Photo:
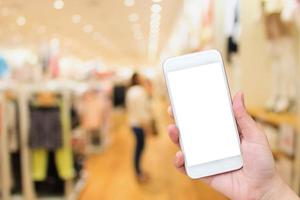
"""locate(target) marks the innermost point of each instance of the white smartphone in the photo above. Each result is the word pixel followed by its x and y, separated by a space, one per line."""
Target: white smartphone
pixel 202 108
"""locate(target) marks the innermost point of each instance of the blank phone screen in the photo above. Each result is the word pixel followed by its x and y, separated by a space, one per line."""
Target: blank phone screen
pixel 202 108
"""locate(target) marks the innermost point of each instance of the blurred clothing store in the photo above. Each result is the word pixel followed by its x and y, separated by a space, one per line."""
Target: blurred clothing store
pixel 72 114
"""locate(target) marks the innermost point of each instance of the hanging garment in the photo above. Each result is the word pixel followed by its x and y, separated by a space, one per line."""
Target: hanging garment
pixel 53 185
pixel 90 108
pixel 15 163
pixel 232 48
pixel 75 120
pixel 273 6
pixel 119 96
pixel 54 66
pixel 63 155
pixel 206 36
pixel 289 10
pixel 1 120
pixel 232 27
pixel 3 67
pixel 63 162
pixel 45 128
pixel 11 114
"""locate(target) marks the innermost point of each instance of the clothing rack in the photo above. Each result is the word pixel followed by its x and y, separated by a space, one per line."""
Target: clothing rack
pixel 24 94
pixel 5 162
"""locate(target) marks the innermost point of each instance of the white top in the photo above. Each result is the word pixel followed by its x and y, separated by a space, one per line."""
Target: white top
pixel 138 106
pixel 273 6
pixel 232 27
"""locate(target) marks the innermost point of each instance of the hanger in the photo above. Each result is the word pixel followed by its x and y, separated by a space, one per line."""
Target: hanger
pixel 10 95
pixel 46 99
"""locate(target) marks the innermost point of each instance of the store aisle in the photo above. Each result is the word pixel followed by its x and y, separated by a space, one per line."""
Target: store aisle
pixel 111 174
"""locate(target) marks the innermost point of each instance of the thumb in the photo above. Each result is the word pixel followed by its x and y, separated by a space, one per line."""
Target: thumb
pixel 247 126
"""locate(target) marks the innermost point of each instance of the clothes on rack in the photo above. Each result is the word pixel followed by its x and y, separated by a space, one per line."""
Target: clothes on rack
pixel 56 127
pixel 93 110
pixel 53 185
pixel 13 131
pixel 54 66
pixel 12 125
pixel 45 128
pixel 119 92
pixel 90 109
pixel 3 67
pixel 272 6
pixel 15 160
pixel 1 151
pixel 232 27
pixel 63 163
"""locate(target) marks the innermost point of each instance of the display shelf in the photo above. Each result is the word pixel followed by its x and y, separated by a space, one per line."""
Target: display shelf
pixel 275 119
pixel 280 154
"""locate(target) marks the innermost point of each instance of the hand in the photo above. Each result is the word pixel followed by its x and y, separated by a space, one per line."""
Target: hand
pixel 258 178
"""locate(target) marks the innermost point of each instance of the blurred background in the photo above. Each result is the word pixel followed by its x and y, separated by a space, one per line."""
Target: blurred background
pixel 65 72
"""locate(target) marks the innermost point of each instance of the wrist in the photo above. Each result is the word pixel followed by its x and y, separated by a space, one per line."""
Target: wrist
pixel 278 190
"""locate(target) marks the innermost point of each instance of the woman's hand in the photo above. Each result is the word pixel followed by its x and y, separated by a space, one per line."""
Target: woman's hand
pixel 258 178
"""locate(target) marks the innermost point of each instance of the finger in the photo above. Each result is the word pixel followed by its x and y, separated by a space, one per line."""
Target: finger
pixel 247 126
pixel 173 134
pixel 170 112
pixel 182 170
pixel 179 162
pixel 207 180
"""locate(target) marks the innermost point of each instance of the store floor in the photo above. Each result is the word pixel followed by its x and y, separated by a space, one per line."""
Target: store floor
pixel 111 174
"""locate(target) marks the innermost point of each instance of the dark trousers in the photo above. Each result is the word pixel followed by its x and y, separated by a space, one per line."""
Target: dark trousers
pixel 140 142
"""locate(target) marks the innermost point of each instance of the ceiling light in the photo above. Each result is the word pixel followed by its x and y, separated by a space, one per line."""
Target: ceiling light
pixel 156 8
pixel 154 31
pixel 129 3
pixel 133 17
pixel 88 28
pixel 155 23
pixel 21 21
pixel 76 19
pixel 153 36
pixel 155 16
pixel 58 4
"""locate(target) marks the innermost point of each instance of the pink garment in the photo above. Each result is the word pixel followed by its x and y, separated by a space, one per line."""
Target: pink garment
pixel 1 121
pixel 54 66
pixel 91 107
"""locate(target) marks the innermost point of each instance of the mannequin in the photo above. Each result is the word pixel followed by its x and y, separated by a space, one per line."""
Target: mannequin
pixel 279 31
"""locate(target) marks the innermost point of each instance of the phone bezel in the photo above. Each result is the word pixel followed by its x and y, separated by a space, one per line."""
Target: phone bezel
pixel 190 61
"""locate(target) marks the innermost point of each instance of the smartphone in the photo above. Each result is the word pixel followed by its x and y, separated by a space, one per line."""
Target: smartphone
pixel 202 108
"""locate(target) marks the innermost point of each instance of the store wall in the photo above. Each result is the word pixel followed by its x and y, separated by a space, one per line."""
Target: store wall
pixel 255 61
